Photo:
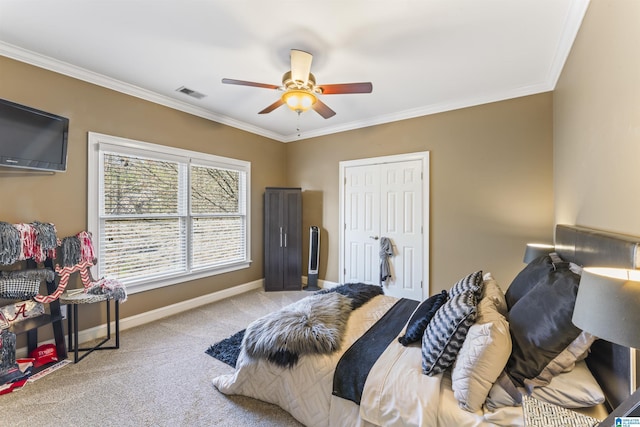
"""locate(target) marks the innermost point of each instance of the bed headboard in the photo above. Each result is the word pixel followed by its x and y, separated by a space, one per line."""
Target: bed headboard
pixel 615 367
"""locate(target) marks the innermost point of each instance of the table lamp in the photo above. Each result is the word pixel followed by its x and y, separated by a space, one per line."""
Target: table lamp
pixel 608 306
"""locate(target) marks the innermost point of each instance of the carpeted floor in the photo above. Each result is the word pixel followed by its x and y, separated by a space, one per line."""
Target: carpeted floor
pixel 160 376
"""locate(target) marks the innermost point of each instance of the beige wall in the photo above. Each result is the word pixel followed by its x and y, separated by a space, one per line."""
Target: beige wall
pixel 597 122
pixel 62 198
pixel 491 175
pixel 491 184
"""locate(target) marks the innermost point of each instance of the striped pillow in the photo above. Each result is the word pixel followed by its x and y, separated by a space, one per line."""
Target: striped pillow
pixel 446 332
pixel 472 282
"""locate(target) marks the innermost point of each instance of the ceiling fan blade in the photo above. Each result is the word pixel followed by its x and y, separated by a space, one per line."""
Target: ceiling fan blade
pixel 300 66
pixel 365 87
pixel 246 83
pixel 322 109
pixel 272 107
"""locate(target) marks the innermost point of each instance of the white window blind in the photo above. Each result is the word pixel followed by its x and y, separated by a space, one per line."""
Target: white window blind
pixel 166 215
pixel 218 216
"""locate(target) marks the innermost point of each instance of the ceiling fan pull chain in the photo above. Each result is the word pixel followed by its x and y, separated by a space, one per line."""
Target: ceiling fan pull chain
pixel 298 125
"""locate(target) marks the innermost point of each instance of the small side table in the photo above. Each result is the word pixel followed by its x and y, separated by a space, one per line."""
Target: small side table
pixel 542 414
pixel 74 300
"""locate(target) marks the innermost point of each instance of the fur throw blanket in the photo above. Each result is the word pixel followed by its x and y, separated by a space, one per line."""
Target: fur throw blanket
pixel 313 325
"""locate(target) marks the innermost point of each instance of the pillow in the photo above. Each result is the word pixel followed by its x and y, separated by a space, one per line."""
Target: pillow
pixel 481 359
pixel 421 318
pixel 527 279
pixel 446 332
pixel 541 326
pixel 472 282
pixel 574 389
pixel 493 292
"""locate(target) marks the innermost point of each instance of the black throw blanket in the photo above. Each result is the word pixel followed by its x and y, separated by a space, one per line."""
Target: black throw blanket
pixel 354 365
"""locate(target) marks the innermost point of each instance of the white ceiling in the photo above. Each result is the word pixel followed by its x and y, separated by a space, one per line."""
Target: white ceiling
pixel 422 56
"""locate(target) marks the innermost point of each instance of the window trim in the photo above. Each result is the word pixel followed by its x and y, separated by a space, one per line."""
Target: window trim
pixel 96 141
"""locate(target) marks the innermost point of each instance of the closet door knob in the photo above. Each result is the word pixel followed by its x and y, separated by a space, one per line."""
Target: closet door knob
pixel 373 237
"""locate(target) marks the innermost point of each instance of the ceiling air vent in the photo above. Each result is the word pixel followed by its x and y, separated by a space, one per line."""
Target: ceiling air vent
pixel 190 92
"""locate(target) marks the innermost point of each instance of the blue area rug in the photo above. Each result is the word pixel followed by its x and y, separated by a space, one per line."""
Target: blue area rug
pixel 228 349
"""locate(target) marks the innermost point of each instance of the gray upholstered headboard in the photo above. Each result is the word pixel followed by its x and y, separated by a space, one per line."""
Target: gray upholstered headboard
pixel 588 247
pixel 615 367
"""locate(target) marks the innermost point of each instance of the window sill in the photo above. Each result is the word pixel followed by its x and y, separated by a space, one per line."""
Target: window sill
pixel 150 285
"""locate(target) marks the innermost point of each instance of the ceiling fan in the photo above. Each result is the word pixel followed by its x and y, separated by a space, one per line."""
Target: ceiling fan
pixel 300 88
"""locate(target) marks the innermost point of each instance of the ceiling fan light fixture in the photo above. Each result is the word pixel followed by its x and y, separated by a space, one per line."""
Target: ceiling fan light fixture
pixel 299 100
pixel 300 92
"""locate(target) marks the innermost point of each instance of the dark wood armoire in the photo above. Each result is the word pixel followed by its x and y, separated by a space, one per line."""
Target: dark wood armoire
pixel 282 239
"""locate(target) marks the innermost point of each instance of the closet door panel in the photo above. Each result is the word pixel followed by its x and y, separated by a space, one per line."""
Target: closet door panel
pixel 293 244
pixel 273 248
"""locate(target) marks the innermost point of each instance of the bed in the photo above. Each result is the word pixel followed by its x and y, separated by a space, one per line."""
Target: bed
pixel 380 361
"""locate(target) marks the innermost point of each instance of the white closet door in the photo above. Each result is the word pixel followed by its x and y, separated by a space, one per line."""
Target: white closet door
pixel 362 224
pixel 384 200
pixel 401 222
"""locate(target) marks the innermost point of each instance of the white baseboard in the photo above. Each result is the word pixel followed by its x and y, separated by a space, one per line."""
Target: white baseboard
pixel 157 314
pixel 321 283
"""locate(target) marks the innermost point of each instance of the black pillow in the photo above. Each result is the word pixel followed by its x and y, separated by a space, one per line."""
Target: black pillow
pixel 535 272
pixel 421 318
pixel 540 322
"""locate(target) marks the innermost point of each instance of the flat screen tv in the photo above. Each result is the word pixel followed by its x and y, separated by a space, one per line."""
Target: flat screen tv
pixel 32 139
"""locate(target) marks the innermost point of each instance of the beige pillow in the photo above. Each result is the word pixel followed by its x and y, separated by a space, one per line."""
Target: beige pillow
pixel 574 389
pixel 494 293
pixel 481 359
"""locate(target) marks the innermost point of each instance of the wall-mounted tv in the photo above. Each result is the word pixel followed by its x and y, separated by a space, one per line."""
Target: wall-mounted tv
pixel 32 139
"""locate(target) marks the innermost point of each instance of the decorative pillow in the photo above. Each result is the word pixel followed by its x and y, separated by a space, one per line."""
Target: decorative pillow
pixel 493 292
pixel 446 332
pixel 481 359
pixel 472 282
pixel 421 318
pixel 541 326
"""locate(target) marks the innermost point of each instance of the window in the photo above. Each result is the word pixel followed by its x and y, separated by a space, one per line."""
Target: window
pixel 161 215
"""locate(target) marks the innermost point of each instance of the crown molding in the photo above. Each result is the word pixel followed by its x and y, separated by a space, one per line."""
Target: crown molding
pixel 61 67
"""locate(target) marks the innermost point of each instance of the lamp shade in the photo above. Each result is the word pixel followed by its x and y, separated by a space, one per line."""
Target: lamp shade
pixel 608 305
pixel 536 250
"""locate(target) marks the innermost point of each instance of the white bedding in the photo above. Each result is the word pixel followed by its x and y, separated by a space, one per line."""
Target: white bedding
pixel 396 392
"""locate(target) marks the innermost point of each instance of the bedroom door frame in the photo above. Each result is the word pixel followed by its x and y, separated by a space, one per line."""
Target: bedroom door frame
pixel 423 157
